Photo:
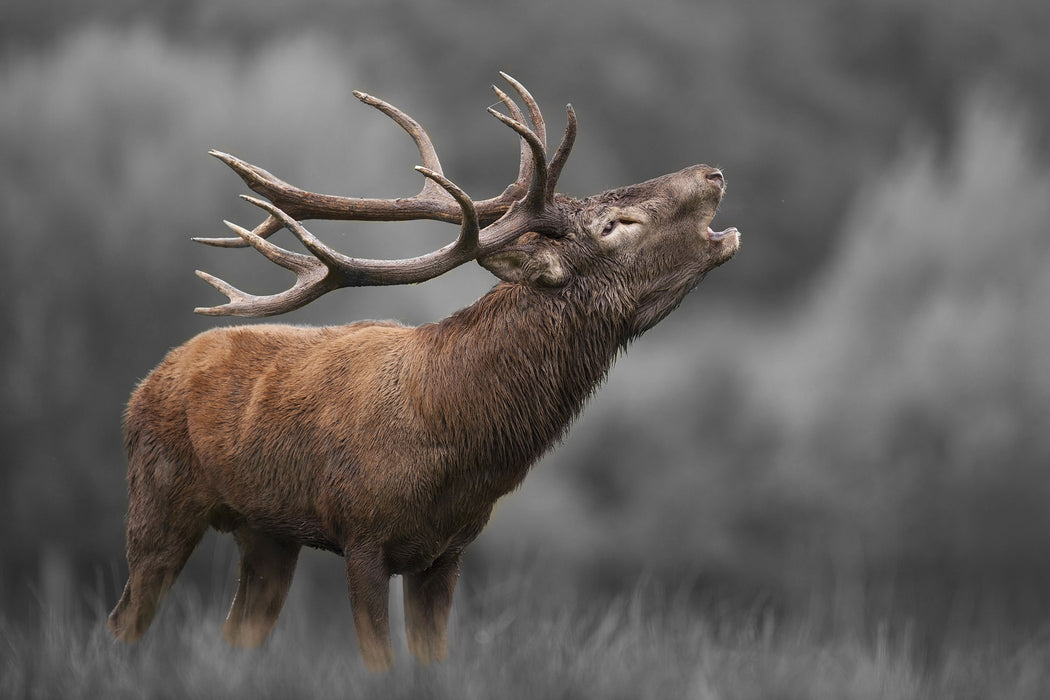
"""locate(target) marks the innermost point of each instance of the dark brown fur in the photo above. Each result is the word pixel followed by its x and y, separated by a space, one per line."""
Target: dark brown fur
pixel 388 444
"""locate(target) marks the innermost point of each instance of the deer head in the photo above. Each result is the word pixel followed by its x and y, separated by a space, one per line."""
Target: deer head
pixel 644 246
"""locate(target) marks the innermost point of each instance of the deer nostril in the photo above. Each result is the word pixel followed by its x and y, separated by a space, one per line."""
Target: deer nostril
pixel 717 178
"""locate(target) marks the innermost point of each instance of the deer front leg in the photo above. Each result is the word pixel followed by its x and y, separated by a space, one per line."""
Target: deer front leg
pixel 428 600
pixel 369 579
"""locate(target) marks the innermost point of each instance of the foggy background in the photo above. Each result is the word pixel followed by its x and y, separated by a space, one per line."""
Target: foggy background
pixel 850 416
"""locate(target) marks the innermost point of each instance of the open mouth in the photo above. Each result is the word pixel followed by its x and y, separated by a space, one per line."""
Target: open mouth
pixel 716 236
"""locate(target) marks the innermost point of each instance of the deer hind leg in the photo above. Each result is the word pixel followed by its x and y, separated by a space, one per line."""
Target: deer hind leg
pixel 161 538
pixel 428 601
pixel 266 569
pixel 369 579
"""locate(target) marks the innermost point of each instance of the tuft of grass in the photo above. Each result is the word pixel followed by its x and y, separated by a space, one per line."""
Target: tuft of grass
pixel 511 641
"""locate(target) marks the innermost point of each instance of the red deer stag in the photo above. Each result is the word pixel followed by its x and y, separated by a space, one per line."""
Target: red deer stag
pixel 388 444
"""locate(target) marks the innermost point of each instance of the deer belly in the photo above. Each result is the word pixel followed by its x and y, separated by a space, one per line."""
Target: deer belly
pixel 415 546
pixel 412 556
pixel 305 529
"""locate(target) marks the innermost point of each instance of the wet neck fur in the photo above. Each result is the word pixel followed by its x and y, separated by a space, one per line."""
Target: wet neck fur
pixel 515 369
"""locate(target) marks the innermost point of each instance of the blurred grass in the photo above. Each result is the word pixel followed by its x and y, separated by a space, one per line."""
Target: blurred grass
pixel 511 640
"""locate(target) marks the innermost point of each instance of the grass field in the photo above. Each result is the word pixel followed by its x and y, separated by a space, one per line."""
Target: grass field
pixel 512 641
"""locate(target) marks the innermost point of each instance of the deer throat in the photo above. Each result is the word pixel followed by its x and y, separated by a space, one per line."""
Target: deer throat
pixel 530 359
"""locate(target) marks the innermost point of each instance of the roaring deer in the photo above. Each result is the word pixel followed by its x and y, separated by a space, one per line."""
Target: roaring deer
pixel 384 443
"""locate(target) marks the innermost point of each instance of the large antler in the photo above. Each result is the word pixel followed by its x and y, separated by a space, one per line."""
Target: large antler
pixel 526 204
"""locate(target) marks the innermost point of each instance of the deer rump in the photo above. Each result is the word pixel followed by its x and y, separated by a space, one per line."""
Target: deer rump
pixel 388 444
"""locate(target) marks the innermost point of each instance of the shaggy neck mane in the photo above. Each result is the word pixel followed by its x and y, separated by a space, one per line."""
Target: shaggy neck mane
pixel 529 359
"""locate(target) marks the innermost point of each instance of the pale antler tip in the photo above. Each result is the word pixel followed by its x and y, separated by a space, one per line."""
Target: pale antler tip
pixel 273 209
pixel 221 310
pixel 261 203
pixel 239 230
pixel 212 280
pixel 219 242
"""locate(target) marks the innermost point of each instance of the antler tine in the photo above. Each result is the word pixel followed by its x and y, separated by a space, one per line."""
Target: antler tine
pixel 520 187
pixel 285 258
pixel 426 147
pixel 264 230
pixel 535 115
pixel 427 152
pixel 311 280
pixel 257 179
pixel 534 211
pixel 562 154
pixel 250 305
pixel 538 188
pixel 470 229
pixel 517 189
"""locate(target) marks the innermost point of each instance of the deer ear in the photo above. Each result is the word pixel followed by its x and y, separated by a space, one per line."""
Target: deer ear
pixel 542 266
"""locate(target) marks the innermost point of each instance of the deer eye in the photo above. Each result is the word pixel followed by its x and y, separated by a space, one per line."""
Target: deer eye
pixel 620 220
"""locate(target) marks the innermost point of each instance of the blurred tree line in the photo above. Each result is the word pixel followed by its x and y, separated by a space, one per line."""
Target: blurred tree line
pixel 865 386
